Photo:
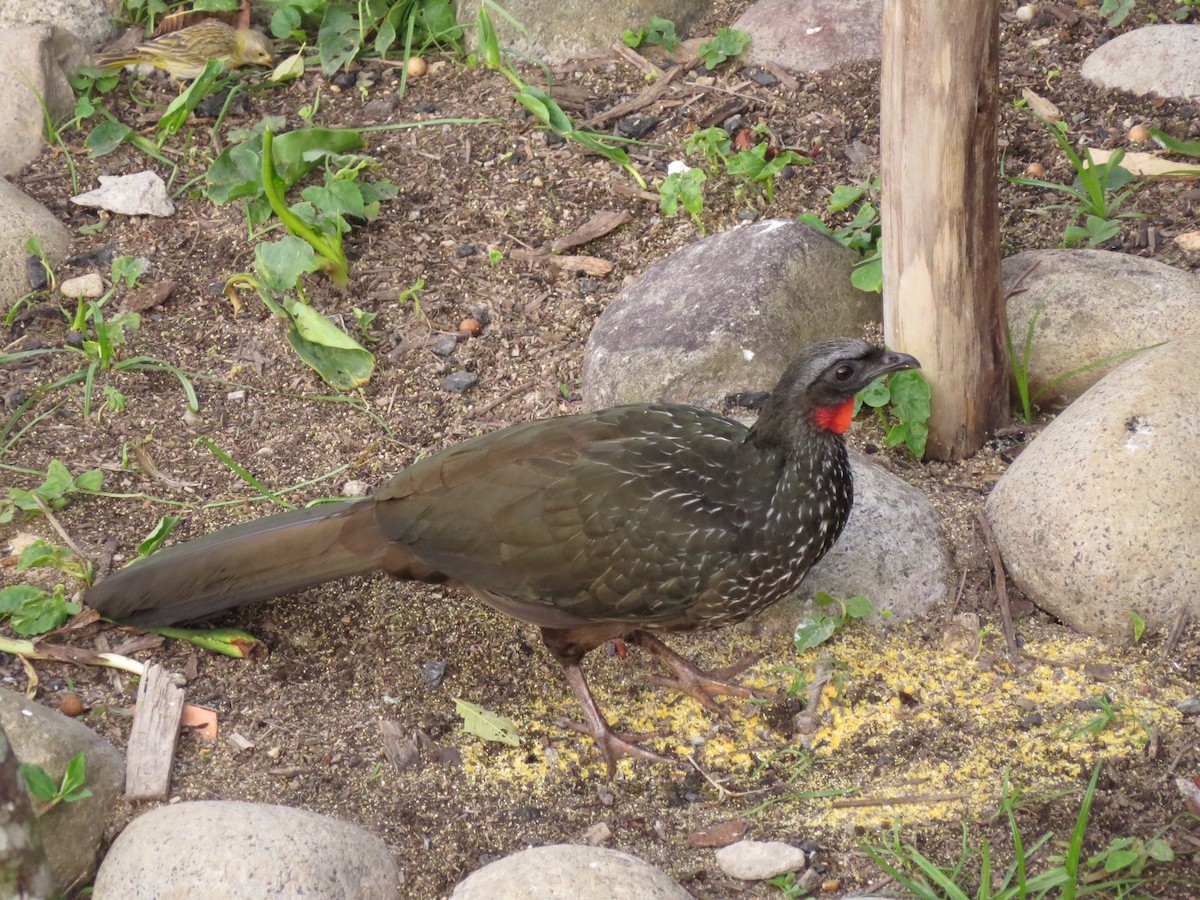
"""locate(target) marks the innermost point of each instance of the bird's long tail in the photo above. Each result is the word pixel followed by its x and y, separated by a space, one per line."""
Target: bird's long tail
pixel 255 561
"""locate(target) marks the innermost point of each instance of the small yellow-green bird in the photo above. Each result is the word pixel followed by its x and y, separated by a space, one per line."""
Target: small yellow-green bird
pixel 184 53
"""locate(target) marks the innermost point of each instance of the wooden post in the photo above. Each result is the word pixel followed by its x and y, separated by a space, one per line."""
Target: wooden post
pixel 942 294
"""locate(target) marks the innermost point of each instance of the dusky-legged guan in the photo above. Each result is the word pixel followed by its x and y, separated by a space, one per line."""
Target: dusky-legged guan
pixel 617 524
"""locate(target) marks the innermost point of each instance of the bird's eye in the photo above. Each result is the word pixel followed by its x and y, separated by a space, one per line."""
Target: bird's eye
pixel 843 372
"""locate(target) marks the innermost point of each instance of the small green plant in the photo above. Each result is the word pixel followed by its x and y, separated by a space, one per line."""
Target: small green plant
pixel 901 401
pixel 541 106
pixel 683 189
pixel 1138 623
pixel 788 886
pixel 364 320
pixel 129 269
pixel 34 248
pixel 816 629
pixel 1108 715
pixel 1098 191
pixel 758 168
pixel 862 234
pixel 31 610
pixel 495 257
pixel 1019 366
pixel 658 31
pixel 54 492
pixel 713 143
pixel 1116 10
pixel 40 554
pixel 724 45
pixel 72 789
pixel 1116 871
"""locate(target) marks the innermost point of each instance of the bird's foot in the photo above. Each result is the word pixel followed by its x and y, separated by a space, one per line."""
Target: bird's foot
pixel 613 745
pixel 694 681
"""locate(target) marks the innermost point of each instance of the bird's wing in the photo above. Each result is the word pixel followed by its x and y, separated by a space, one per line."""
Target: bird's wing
pixel 622 514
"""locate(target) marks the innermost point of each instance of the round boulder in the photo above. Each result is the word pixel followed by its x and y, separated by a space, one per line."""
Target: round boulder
pixel 221 849
pixel 1098 517
pixel 725 315
pixel 569 872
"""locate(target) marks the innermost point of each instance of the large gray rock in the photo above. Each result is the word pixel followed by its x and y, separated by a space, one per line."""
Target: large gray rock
pixel 1098 516
pixel 35 63
pixel 1155 59
pixel 569 872
pixel 71 832
pixel 1094 304
pixel 221 850
pixel 892 550
pixel 726 314
pixel 813 35
pixel 20 218
pixel 555 31
pixel 92 21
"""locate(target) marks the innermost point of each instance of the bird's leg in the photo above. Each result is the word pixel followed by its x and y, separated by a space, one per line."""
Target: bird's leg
pixel 611 744
pixel 692 680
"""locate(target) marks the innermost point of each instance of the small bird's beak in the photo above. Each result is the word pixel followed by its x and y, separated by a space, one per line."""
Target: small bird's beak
pixel 891 361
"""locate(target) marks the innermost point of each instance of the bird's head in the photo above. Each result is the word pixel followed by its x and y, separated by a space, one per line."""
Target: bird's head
pixel 817 390
pixel 255 48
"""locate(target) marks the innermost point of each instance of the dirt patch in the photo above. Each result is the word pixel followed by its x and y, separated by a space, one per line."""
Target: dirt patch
pixel 914 725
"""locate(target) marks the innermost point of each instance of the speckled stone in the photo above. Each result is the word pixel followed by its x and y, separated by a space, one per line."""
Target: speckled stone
pixel 1154 59
pixel 1099 515
pixel 760 860
pixel 1094 304
pixel 221 850
pixel 569 872
pixel 724 315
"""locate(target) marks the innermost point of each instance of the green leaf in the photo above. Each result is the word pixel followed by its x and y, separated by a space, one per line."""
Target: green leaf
pixel 846 195
pixel 333 354
pixel 1139 625
pixel 859 607
pixel 14 597
pixel 40 784
pixel 76 775
pixel 876 394
pixel 158 534
pixel 106 137
pixel 868 275
pixel 58 481
pixel 1160 850
pixel 725 44
pixel 91 480
pixel 226 641
pixel 41 614
pixel 815 630
pixel 185 104
pixel 487 725
pixel 338 38
pixel 281 263
pixel 1186 148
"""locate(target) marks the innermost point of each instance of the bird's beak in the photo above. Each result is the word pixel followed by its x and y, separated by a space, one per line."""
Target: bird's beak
pixel 891 361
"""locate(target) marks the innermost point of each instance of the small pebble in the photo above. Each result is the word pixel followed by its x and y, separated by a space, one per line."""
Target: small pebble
pixel 764 79
pixel 1035 170
pixel 15 397
pixel 355 488
pixel 481 313
pixel 236 395
pixel 473 327
pixel 1139 134
pixel 190 419
pixel 459 382
pixel 444 346
pixel 416 66
pixel 1026 13
pixel 88 286
pixel 434 671
pixel 35 272
pixel 1189 706
pixel 465 250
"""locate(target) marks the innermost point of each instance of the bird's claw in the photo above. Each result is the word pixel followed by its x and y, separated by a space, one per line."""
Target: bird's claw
pixel 613 745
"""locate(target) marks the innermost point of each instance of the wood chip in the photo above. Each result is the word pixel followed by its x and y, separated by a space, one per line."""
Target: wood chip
pixel 1041 106
pixel 649 96
pixel 786 81
pixel 151 750
pixel 1147 165
pixel 589 265
pixel 597 226
pixel 720 835
pixel 148 297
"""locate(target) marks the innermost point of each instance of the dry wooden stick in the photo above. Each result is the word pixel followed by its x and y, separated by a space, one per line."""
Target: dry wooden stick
pixel 1010 636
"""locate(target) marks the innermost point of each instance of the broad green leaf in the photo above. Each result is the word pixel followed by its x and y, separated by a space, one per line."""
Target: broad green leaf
pixel 91 480
pixel 155 538
pixel 487 725
pixel 40 784
pixel 859 607
pixel 106 137
pixel 876 394
pixel 281 263
pixel 332 353
pixel 58 481
pixel 814 631
pixel 14 597
pixel 76 775
pixel 338 38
